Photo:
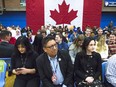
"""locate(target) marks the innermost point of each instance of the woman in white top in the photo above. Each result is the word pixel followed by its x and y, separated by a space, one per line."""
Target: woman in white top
pixel 102 47
pixel 75 47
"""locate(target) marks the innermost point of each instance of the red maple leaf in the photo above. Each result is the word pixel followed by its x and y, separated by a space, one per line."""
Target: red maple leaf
pixel 63 16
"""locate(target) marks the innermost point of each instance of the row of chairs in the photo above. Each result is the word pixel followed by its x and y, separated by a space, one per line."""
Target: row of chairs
pixel 5 63
pixel 103 71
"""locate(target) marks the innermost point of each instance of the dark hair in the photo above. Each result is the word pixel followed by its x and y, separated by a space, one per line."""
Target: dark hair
pixel 38 40
pixel 46 40
pixel 25 42
pixel 79 38
pixel 43 31
pixel 37 44
pixel 60 35
pixel 4 33
pixel 29 32
pixel 86 42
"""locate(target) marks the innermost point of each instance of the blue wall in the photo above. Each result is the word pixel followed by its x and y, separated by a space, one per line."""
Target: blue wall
pixel 107 17
pixel 13 18
pixel 19 18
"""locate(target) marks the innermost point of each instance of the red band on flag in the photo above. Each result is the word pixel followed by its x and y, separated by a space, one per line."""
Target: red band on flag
pixel 35 14
pixel 92 13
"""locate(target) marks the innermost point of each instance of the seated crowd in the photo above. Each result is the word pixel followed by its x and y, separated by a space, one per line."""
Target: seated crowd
pixel 59 56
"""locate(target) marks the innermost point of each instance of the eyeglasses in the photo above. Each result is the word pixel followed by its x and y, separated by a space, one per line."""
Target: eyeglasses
pixel 52 46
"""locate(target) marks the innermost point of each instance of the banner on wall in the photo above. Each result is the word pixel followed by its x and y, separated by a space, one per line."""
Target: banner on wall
pixel 79 13
pixel 110 3
pixel 23 3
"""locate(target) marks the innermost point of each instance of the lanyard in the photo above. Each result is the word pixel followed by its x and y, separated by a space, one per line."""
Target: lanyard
pixel 23 60
pixel 55 66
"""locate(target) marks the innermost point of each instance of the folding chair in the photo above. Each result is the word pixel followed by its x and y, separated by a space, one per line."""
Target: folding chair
pixel 3 67
pixel 8 62
pixel 103 71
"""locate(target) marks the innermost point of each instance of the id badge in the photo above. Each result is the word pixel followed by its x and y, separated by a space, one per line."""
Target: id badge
pixel 54 78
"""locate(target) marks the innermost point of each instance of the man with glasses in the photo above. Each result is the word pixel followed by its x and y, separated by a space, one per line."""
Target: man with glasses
pixel 54 66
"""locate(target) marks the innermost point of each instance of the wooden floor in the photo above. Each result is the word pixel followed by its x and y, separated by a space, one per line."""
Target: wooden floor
pixel 9 80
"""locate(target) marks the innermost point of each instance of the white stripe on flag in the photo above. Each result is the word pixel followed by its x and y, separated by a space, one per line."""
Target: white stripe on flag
pixel 76 5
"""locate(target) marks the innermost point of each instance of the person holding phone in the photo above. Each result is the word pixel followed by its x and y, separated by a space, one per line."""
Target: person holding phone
pixel 23 63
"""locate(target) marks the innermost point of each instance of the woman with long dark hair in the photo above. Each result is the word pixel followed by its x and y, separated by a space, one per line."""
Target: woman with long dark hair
pixel 23 63
pixel 87 66
pixel 37 44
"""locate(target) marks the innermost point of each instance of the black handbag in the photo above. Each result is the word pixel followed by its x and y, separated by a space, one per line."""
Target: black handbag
pixel 96 83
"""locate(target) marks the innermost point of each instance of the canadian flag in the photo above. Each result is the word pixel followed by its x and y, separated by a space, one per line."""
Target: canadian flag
pixel 60 12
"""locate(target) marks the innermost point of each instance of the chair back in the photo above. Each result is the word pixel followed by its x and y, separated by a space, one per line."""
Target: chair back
pixel 104 64
pixel 3 67
pixel 8 62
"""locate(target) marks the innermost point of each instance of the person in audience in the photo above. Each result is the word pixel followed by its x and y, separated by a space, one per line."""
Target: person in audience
pixel 52 32
pixel 37 44
pixel 110 71
pixel 79 30
pixel 24 31
pixel 110 25
pixel 73 35
pixel 54 66
pixel 88 32
pixel 107 35
pixel 75 47
pixel 28 29
pixel 95 28
pixel 99 34
pixel 61 44
pixel 6 49
pixel 66 37
pixel 112 44
pixel 87 66
pixel 43 33
pixel 12 39
pixel 12 29
pixel 47 28
pixel 30 37
pixel 18 32
pixel 102 48
pixel 23 64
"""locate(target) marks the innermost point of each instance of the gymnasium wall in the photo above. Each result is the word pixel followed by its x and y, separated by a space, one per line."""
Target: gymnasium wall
pixel 19 18
pixel 13 18
pixel 107 17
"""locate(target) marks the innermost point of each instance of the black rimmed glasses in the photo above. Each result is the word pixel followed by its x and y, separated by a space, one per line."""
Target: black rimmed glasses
pixel 52 46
